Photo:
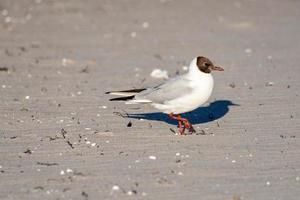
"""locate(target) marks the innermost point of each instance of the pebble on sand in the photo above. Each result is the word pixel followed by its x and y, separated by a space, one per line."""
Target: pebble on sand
pixel 152 157
pixel 115 188
pixel 69 170
pixel 67 61
pixel 145 25
pixel 159 74
pixel 270 83
pixel 133 34
pixel 8 19
pixel 248 51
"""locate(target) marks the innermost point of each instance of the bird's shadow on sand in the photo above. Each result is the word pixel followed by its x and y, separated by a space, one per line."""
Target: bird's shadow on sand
pixel 213 111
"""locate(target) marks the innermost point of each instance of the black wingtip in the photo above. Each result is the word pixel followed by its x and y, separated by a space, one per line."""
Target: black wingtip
pixel 122 98
pixel 106 92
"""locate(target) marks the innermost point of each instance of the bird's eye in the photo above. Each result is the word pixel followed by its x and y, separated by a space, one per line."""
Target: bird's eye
pixel 206 64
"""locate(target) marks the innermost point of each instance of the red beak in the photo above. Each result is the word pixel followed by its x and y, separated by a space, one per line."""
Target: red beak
pixel 216 68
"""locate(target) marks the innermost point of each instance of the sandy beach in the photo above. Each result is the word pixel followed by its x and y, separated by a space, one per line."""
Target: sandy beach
pixel 61 137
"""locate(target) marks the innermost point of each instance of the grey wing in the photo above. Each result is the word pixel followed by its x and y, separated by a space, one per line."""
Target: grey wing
pixel 167 91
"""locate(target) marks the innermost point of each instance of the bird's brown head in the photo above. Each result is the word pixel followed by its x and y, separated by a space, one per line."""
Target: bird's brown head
pixel 206 66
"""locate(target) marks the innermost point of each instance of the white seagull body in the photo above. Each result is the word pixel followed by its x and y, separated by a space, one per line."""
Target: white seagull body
pixel 177 95
pixel 180 94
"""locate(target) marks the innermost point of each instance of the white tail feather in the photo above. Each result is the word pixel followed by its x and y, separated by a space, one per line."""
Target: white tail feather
pixel 124 94
pixel 137 101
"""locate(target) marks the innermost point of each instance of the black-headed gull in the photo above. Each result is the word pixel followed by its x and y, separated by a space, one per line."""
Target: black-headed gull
pixel 178 95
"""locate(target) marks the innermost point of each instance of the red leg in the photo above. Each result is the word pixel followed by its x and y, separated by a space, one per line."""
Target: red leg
pixel 188 125
pixel 181 129
pixel 179 119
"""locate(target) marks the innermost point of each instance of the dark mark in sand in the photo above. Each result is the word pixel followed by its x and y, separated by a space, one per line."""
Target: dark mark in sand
pixel 46 164
pixel 129 124
pixel 53 138
pixel 232 85
pixel 284 136
pixel 78 173
pixel 24 109
pixel 70 144
pixel 66 189
pixel 39 188
pixel 157 56
pixel 57 180
pixel 83 193
pixel 28 151
pixel 120 114
pixel 172 130
pixel 85 70
pixel 23 49
pixel 202 132
pixel 63 133
pixel 8 53
pixel 3 69
pixel 134 191
pixel 44 90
